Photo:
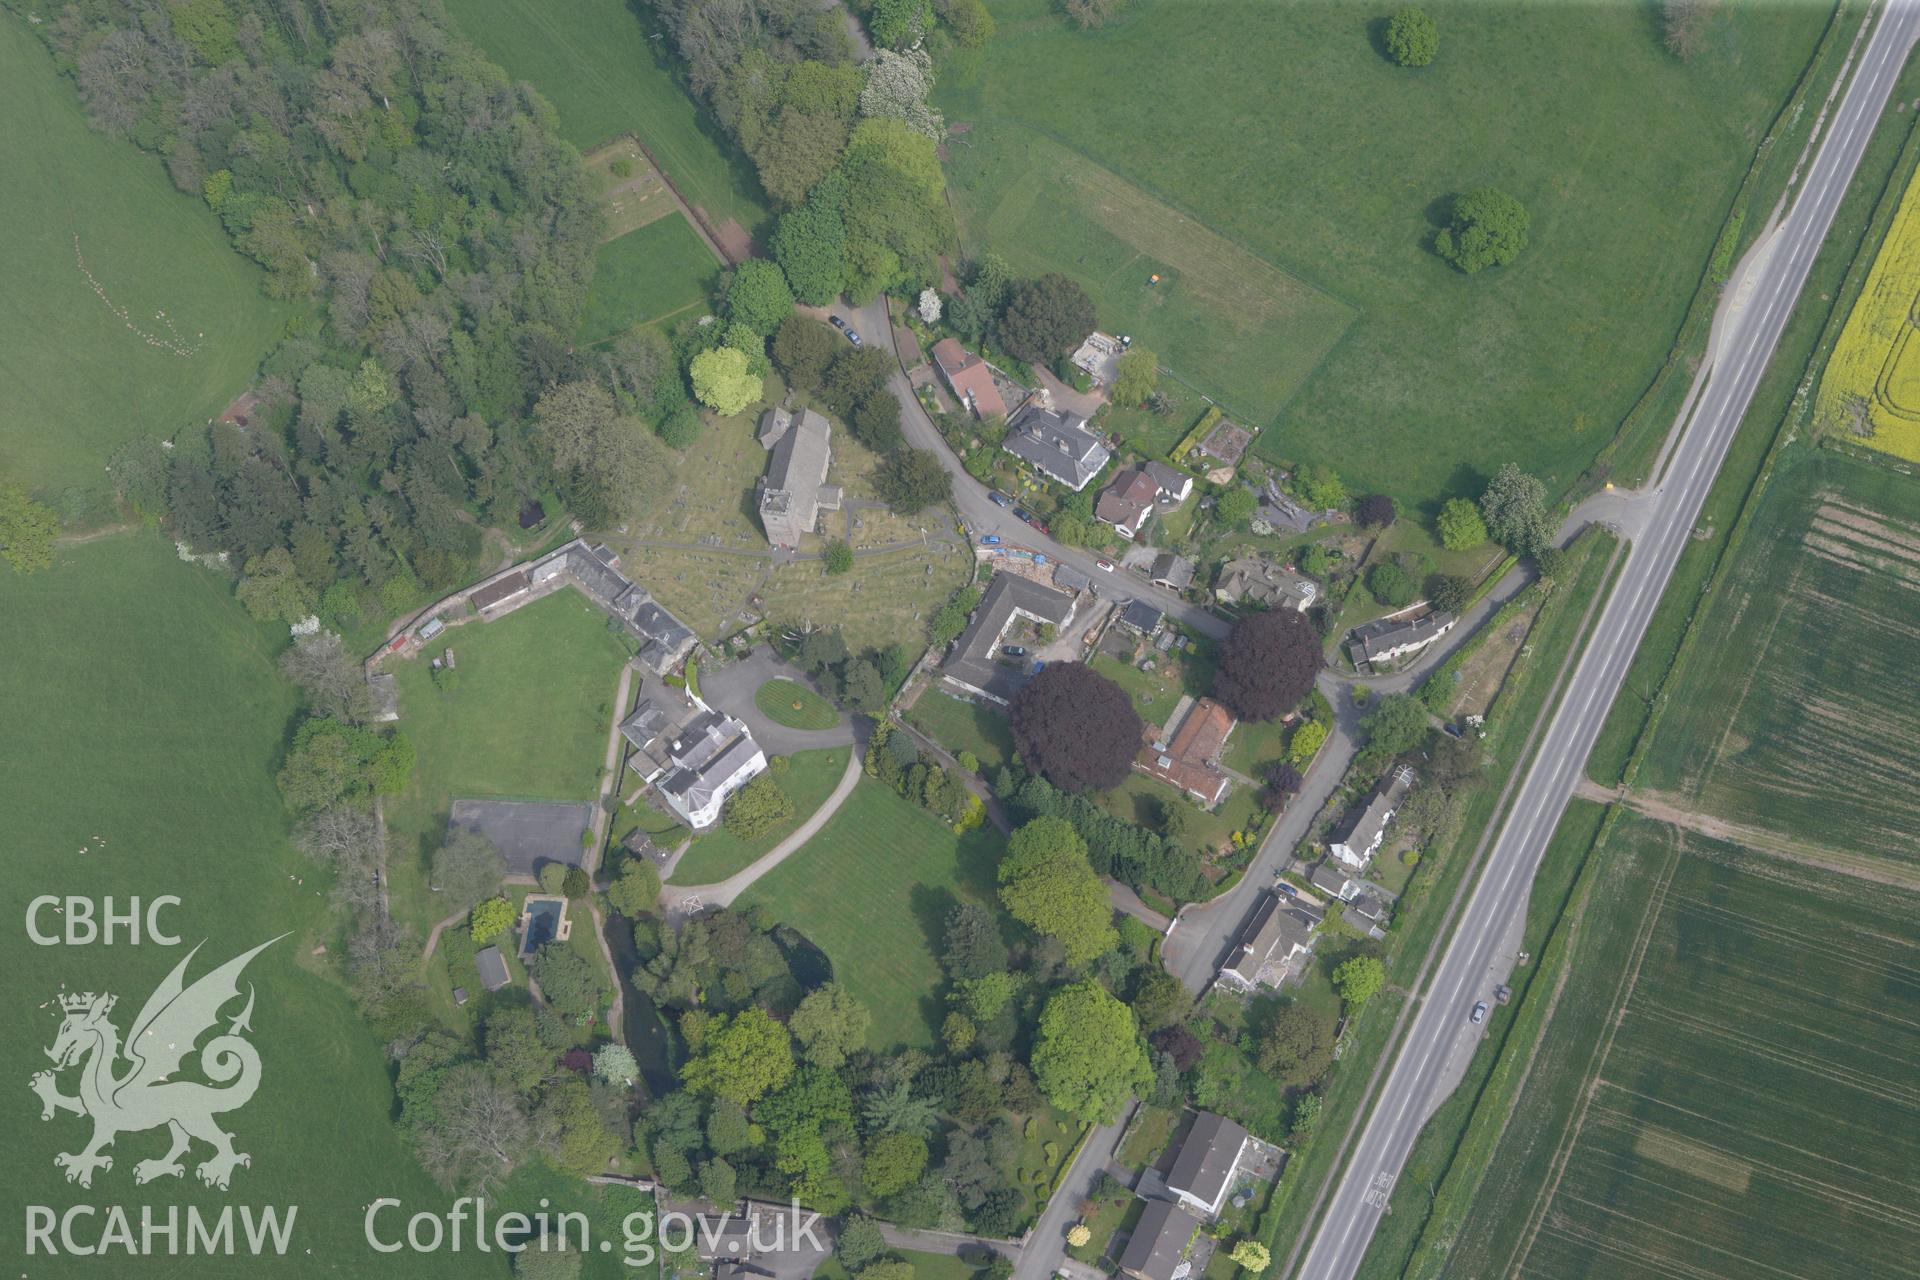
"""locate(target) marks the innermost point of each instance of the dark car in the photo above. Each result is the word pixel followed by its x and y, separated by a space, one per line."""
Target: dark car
pixel 998 498
pixel 836 322
pixel 1021 513
pixel 1014 651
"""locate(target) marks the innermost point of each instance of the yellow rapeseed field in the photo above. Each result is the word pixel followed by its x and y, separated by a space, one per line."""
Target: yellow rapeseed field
pixel 1874 374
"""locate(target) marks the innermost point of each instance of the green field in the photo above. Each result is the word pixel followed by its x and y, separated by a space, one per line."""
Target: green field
pixel 527 721
pixel 1282 130
pixel 880 848
pixel 85 370
pixel 1726 1088
pixel 594 61
pixel 1815 732
pixel 648 274
pixel 810 778
pixel 792 704
pixel 965 726
pixel 123 659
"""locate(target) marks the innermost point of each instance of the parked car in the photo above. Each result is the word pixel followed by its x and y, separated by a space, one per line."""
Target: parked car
pixel 1038 523
pixel 1014 651
pixel 853 335
pixel 991 540
pixel 1479 1014
pixel 1104 566
pixel 998 498
pixel 1021 513
pixel 1503 993
pixel 836 322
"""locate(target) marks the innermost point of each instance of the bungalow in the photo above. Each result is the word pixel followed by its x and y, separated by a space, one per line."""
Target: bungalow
pixel 1162 1246
pixel 1207 1162
pixel 795 491
pixel 1056 443
pixel 1391 638
pixel 1258 581
pixel 969 378
pixel 1174 572
pixel 1273 948
pixel 1189 759
pixel 974 666
pixel 1361 837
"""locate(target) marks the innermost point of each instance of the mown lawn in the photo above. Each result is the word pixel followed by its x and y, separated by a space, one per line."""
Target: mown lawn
pixel 527 721
pixel 145 723
pixel 810 778
pixel 651 273
pixel 792 704
pixel 1282 130
pixel 965 726
pixel 879 849
pixel 81 379
pixel 594 60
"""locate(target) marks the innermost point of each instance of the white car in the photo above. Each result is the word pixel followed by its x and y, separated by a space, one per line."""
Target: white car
pixel 1104 566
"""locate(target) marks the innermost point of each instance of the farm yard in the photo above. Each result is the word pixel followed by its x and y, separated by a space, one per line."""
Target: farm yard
pixel 111 274
pixel 881 848
pixel 1577 110
pixel 527 720
pixel 1870 390
pixel 593 60
pixel 123 653
pixel 1815 731
pixel 1722 1085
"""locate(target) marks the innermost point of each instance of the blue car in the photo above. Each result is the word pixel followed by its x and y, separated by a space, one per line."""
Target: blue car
pixel 998 498
pixel 991 540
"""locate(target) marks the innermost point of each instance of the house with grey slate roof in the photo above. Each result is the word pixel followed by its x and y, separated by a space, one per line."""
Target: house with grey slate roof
pixel 795 491
pixel 1056 442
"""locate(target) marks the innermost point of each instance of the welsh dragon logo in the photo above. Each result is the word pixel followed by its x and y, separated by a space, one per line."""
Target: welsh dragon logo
pixel 125 1088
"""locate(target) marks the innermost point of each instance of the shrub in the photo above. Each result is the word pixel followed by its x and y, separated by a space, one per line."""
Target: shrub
pixel 1412 37
pixel 757 808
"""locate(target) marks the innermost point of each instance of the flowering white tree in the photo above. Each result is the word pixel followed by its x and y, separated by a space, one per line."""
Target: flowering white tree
pixel 929 306
pixel 898 86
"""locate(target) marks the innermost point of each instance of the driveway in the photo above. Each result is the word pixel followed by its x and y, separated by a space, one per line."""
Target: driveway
pixel 1047 1243
pixel 731 689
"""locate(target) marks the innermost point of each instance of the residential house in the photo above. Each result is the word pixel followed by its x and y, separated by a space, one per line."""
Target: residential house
pixel 1127 502
pixel 1068 578
pixel 1057 443
pixel 795 491
pixel 969 378
pixel 1274 947
pixel 1174 572
pixel 1162 1246
pixel 1189 757
pixel 975 665
pixel 693 756
pixel 1360 837
pixel 1255 580
pixel 1335 883
pixel 492 967
pixel 1391 638
pixel 1138 493
pixel 1208 1160
pixel 1142 617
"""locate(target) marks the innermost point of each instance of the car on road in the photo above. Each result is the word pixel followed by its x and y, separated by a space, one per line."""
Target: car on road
pixel 1479 1014
pixel 1104 566
pixel 1014 651
pixel 998 498
pixel 991 540
pixel 1021 513
pixel 1037 523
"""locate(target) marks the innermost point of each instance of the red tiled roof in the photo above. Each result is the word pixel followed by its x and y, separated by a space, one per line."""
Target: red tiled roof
pixel 969 376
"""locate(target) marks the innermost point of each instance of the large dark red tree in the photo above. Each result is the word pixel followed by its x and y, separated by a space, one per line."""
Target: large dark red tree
pixel 1076 728
pixel 1267 664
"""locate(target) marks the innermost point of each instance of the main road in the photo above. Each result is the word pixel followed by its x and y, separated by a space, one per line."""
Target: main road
pixel 1749 331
